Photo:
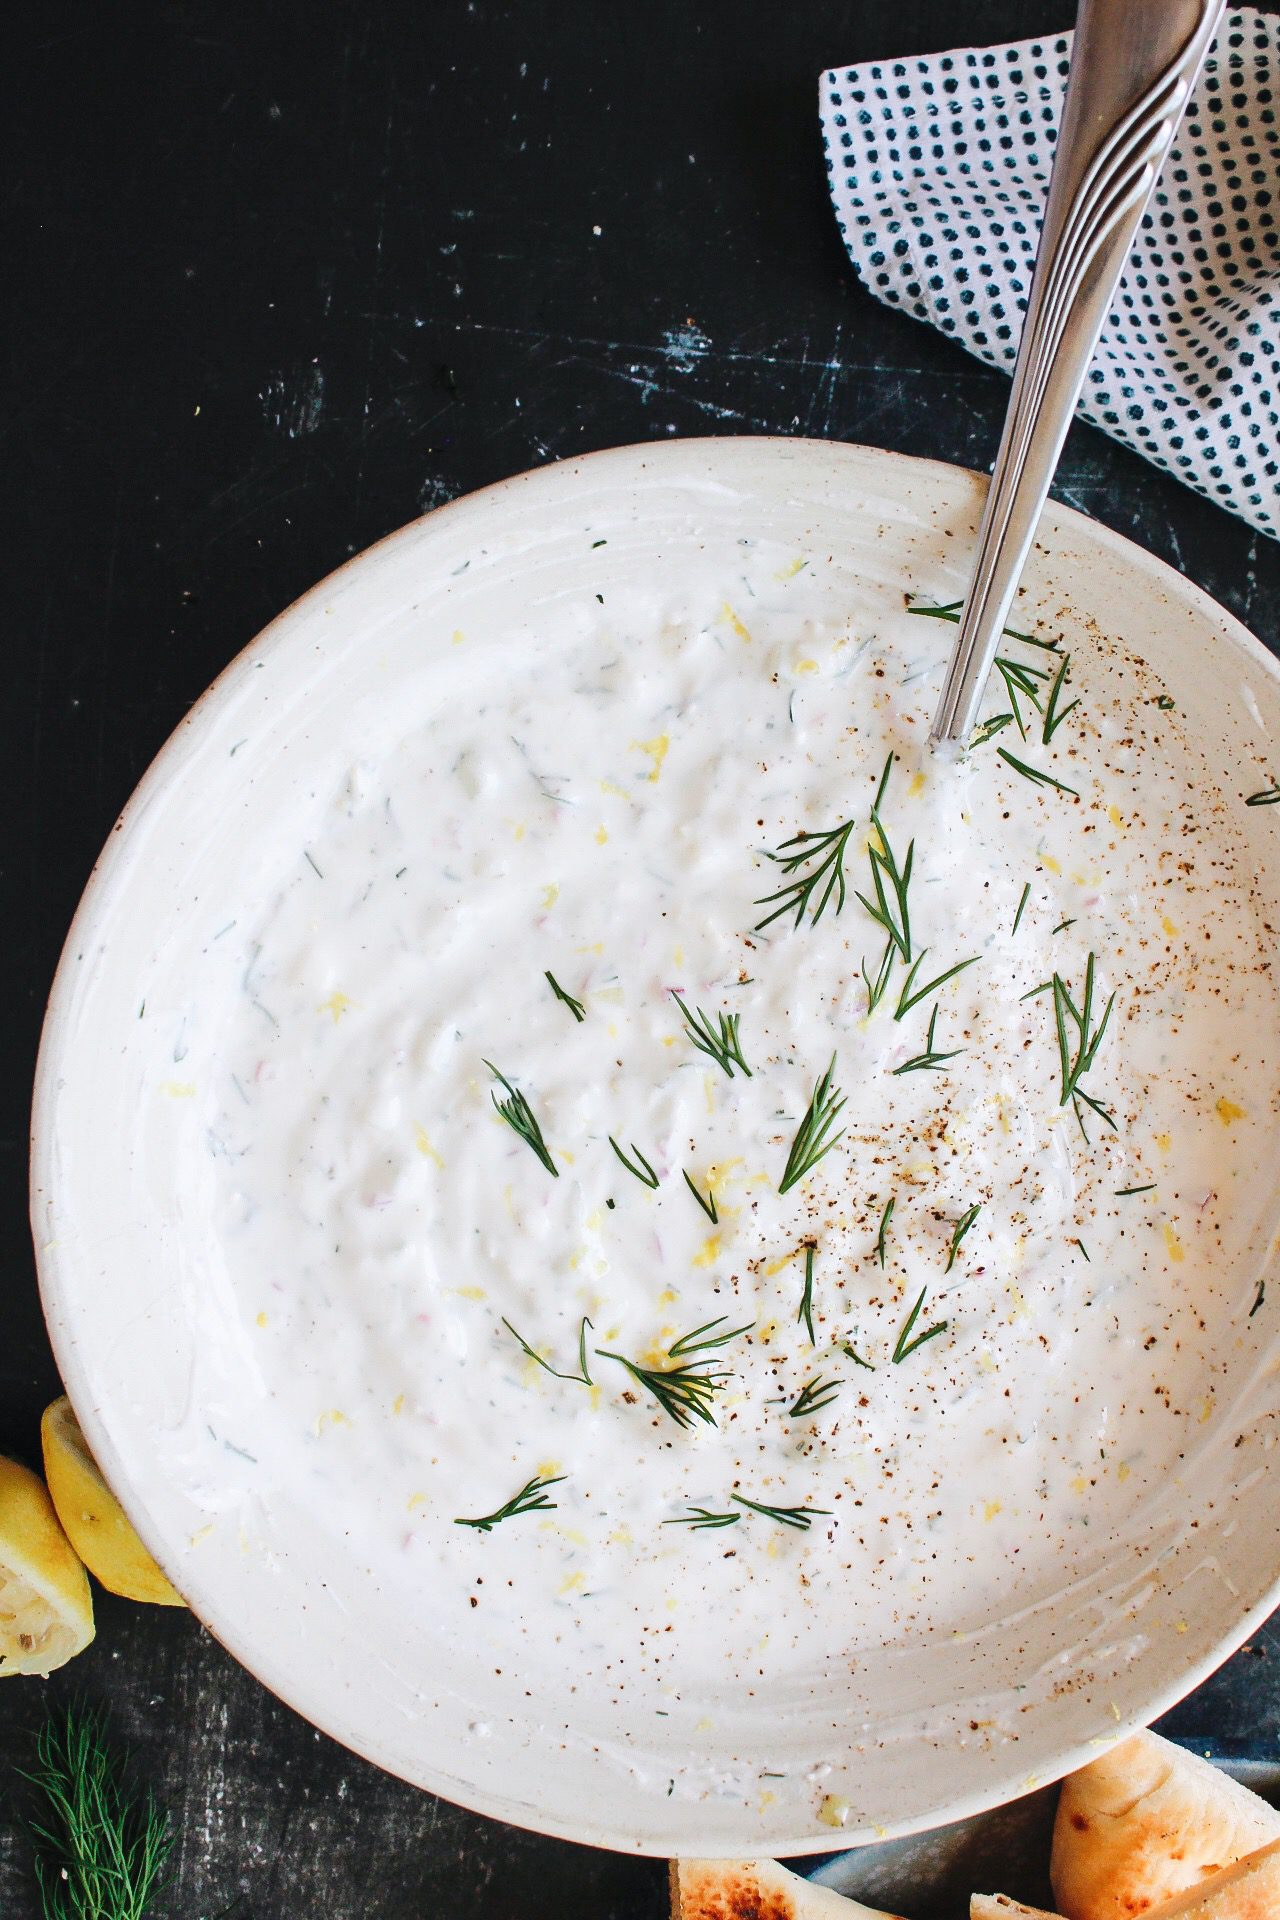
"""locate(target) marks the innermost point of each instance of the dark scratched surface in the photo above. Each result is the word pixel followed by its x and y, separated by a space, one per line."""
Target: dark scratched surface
pixel 278 279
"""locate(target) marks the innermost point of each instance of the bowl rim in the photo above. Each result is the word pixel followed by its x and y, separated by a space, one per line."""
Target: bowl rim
pixel 680 454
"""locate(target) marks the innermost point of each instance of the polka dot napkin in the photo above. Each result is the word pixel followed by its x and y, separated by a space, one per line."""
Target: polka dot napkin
pixel 939 169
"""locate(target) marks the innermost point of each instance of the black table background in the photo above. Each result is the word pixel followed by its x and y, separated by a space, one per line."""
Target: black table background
pixel 279 279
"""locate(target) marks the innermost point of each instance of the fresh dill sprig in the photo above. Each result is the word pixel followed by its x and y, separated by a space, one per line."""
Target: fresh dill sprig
pixel 519 1116
pixel 1022 906
pixel 530 1499
pixel 703 1517
pixel 1061 927
pixel 582 1377
pixel 906 1345
pixel 931 1058
pixel 802 1518
pixel 1259 1297
pixel 856 1357
pixel 644 1173
pixel 685 1393
pixel 813 1396
pixel 694 1343
pixel 1126 1193
pixel 1035 775
pixel 720 1042
pixel 1267 798
pixel 987 728
pixel 708 1204
pixel 885 1218
pixel 811 892
pixel 962 1227
pixel 952 610
pixel 805 1313
pixel 1034 640
pixel 575 1007
pixel 1078 1041
pixel 908 999
pixel 814 1137
pixel 1084 1250
pixel 876 988
pixel 890 879
pixel 1053 714
pixel 1021 679
pixel 101 1846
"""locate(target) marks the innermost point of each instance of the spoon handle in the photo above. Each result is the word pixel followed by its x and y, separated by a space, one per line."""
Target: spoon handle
pixel 1133 66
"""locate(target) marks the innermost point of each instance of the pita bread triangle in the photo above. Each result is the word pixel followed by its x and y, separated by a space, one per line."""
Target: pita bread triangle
pixel 756 1890
pixel 1248 1891
pixel 998 1906
pixel 1145 1822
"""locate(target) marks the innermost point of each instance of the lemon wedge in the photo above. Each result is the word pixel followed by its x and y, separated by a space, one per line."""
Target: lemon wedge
pixel 94 1520
pixel 46 1610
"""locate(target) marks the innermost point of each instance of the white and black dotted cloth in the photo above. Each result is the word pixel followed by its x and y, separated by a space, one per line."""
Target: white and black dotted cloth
pixel 939 169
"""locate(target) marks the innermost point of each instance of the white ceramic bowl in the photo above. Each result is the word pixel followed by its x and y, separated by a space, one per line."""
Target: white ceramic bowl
pixel 127 1291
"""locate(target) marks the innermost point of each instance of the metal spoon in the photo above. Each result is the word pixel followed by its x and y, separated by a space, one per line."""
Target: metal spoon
pixel 1133 66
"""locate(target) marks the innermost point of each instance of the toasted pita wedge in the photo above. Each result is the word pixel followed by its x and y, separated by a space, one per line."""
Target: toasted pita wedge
pixel 756 1890
pixel 998 1906
pixel 1146 1822
pixel 1248 1891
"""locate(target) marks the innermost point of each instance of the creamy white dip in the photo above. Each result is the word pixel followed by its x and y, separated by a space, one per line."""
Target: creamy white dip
pixel 597 798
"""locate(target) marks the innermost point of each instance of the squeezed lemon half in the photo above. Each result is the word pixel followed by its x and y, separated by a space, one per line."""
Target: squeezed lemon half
pixel 94 1520
pixel 46 1610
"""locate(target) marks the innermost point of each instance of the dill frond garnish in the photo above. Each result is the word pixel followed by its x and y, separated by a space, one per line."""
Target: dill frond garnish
pixel 876 988
pixel 814 1137
pixel 101 1846
pixel 962 1227
pixel 1078 1041
pixel 720 1042
pixel 952 610
pixel 708 1204
pixel 986 728
pixel 909 998
pixel 685 1393
pixel 806 1298
pixel 949 610
pixel 885 1218
pixel 1053 714
pixel 644 1173
pixel 811 892
pixel 1126 1193
pixel 931 1058
pixel 530 1499
pixel 1022 906
pixel 890 879
pixel 703 1517
pixel 575 1007
pixel 813 1396
pixel 855 1356
pixel 1035 775
pixel 582 1377
pixel 801 1518
pixel 1021 679
pixel 519 1116
pixel 694 1342
pixel 906 1345
pixel 1267 798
